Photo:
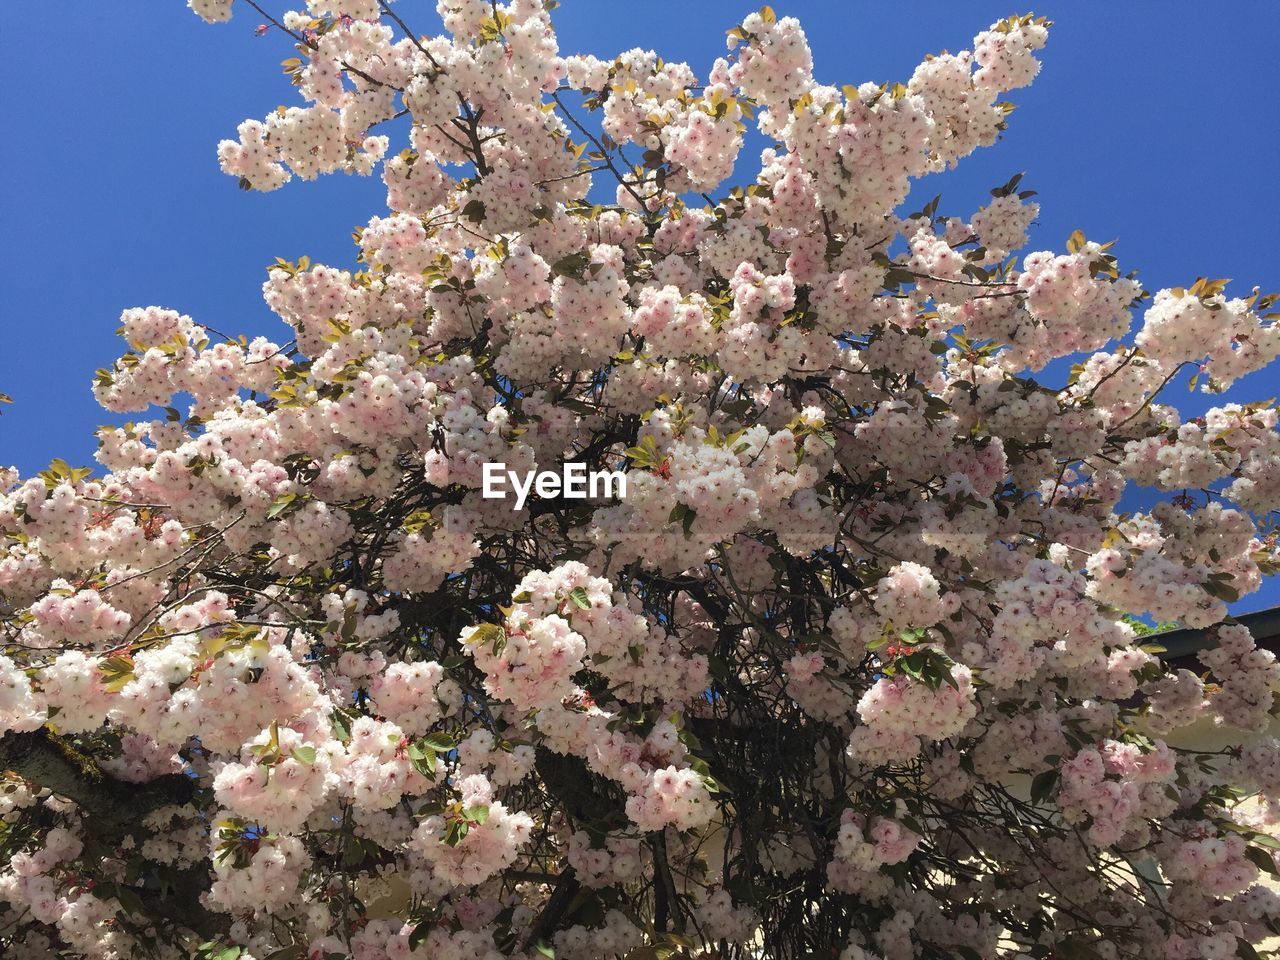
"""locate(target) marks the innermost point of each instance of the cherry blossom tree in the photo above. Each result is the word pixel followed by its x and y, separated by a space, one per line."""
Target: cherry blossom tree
pixel 850 671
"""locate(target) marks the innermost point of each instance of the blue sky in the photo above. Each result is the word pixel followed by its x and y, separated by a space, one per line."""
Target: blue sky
pixel 1150 124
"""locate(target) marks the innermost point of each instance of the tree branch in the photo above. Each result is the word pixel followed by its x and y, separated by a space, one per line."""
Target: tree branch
pixel 113 810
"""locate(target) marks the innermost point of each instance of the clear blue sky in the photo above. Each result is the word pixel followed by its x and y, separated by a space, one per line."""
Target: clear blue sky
pixel 1154 124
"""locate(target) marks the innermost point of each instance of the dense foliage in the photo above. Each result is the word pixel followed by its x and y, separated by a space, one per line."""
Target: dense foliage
pixel 850 671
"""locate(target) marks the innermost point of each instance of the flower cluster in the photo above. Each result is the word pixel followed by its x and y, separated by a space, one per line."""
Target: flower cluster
pixel 854 669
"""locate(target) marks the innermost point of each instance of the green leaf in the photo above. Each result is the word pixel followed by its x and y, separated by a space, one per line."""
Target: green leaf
pixel 115 672
pixel 1263 860
pixel 280 504
pixel 1042 785
pixel 487 633
pixel 439 742
pixel 579 597
pixel 422 756
pixel 546 951
pixel 419 933
pixel 1218 585
pixel 341 728
pixel 305 754
pixel 479 814
pixel 357 849
pixel 685 515
pixel 1265 840
pixel 457 832
pixel 131 901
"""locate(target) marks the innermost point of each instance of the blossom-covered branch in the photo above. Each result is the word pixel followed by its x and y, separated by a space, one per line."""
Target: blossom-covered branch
pixel 855 668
